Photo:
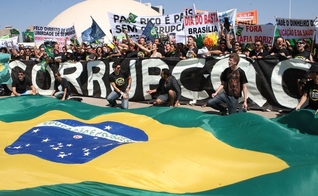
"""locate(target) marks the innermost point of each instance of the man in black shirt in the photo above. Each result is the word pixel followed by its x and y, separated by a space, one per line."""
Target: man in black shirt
pixel 21 85
pixel 233 82
pixel 258 52
pixel 310 90
pixel 301 52
pixel 121 83
pixel 62 89
pixel 168 89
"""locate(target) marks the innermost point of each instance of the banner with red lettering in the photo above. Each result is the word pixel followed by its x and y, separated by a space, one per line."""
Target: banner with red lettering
pixel 202 23
pixel 58 34
pixel 247 18
pixel 252 33
pixel 295 28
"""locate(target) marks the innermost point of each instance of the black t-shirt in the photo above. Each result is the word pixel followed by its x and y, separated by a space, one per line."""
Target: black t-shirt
pixel 262 53
pixel 120 80
pixel 131 54
pixel 189 54
pixel 312 93
pixel 21 86
pixel 278 51
pixel 301 55
pixel 61 86
pixel 233 81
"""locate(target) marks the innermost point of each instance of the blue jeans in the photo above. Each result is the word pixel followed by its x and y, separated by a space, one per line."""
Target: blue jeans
pixel 230 101
pixel 111 98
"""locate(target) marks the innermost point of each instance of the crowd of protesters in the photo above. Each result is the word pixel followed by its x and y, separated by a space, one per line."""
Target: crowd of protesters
pixel 164 46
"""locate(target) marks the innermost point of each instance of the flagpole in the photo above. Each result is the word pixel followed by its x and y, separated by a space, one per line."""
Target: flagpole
pixel 290 5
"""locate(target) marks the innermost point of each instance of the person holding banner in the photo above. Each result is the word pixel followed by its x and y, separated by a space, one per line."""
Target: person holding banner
pixel 258 52
pixel 191 49
pixel 301 52
pixel 279 48
pixel 233 82
pixel 121 83
pixel 310 90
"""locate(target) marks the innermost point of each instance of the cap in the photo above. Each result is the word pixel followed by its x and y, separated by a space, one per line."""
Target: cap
pixel 301 41
pixel 69 51
pixel 111 46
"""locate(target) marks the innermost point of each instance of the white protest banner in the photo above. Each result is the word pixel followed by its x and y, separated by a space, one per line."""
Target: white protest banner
pixel 164 24
pixel 230 14
pixel 57 34
pixel 167 24
pixel 295 28
pixel 8 42
pixel 252 33
pixel 202 23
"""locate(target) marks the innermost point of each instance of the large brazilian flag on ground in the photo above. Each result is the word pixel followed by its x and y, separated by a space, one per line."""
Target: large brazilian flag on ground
pixel 52 147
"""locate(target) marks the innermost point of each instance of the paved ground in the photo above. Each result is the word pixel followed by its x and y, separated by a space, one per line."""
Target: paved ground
pixel 104 102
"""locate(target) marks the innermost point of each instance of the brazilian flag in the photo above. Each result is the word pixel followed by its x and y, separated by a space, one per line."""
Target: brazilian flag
pixel 131 18
pixel 5 77
pixel 14 31
pixel 28 36
pixel 49 50
pixel 53 147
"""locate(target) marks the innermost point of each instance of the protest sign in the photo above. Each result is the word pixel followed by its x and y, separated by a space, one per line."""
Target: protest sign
pixel 7 42
pixel 58 34
pixel 295 28
pixel 202 23
pixel 253 33
pixel 166 24
pixel 247 18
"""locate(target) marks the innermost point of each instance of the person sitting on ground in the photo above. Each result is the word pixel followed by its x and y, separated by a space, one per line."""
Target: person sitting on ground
pixel 121 83
pixel 233 82
pixel 310 90
pixel 62 89
pixel 21 85
pixel 168 89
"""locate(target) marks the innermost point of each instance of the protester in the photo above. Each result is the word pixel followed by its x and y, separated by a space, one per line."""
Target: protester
pixel 233 82
pixel 301 52
pixel 259 51
pixel 62 89
pixel 279 48
pixel 21 85
pixel 168 89
pixel 190 49
pixel 121 83
pixel 310 90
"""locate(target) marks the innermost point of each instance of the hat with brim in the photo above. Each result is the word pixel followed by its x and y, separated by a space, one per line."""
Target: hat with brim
pixel 69 51
pixel 314 67
pixel 111 46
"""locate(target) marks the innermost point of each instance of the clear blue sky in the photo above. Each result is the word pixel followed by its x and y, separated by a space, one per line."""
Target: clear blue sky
pixel 24 13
